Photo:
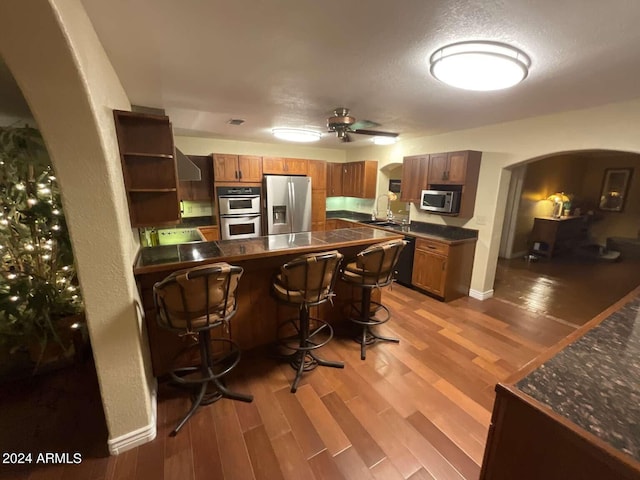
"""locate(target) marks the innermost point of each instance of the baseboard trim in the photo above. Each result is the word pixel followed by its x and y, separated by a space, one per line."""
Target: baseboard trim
pixel 480 295
pixel 137 437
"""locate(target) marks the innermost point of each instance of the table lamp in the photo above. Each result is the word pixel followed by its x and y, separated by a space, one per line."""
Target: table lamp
pixel 558 200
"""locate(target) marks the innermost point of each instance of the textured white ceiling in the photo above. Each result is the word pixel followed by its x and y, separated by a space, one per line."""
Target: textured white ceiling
pixel 290 62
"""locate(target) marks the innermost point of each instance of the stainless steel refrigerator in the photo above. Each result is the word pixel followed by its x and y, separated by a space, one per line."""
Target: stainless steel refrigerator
pixel 288 204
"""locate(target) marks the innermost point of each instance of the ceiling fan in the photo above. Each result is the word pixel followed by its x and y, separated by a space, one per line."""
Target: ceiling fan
pixel 343 125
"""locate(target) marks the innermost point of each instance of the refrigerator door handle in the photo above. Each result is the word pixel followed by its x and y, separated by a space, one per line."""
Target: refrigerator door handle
pixel 293 204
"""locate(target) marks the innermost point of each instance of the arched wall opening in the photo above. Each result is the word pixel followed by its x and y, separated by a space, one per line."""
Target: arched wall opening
pixel 57 60
pixel 579 175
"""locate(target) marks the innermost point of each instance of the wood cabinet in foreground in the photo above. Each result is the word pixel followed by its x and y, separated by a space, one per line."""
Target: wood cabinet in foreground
pixel 528 441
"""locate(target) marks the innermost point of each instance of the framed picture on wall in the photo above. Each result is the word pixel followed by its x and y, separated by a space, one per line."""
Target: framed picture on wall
pixel 615 186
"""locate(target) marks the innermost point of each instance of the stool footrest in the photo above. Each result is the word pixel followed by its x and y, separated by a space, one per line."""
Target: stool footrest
pixel 314 339
pixel 370 319
pixel 206 379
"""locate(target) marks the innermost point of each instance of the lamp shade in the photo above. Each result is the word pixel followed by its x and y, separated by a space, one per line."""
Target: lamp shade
pixel 558 198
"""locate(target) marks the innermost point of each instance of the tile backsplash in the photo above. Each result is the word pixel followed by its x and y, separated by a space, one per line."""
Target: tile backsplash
pixel 365 205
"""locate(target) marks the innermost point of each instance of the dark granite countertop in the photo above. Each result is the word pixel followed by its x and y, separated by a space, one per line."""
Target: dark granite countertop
pixel 444 233
pixel 189 254
pixel 595 381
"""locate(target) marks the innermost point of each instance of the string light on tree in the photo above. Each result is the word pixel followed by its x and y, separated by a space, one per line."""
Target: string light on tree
pixel 36 259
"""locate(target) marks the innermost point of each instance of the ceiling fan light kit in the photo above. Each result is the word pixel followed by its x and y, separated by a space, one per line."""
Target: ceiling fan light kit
pixel 480 66
pixel 296 134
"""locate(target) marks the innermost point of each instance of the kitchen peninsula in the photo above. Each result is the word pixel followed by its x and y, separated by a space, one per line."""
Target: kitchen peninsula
pixel 573 412
pixel 255 323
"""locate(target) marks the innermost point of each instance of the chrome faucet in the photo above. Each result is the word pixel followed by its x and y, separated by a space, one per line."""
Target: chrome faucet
pixel 374 215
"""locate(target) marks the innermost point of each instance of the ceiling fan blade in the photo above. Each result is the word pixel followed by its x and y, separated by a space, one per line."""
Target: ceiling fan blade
pixel 375 133
pixel 364 124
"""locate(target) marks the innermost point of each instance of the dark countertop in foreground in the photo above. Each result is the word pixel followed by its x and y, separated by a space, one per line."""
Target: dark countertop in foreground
pixel 445 233
pixel 185 255
pixel 595 381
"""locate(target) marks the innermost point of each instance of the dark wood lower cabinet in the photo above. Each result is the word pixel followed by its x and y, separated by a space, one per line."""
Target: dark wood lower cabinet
pixel 443 269
pixel 528 441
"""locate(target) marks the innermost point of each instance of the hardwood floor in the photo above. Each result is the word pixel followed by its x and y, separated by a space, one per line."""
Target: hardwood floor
pixel 417 410
pixel 568 287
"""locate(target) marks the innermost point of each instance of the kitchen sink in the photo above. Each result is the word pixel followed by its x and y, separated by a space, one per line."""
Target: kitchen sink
pixel 379 223
pixel 386 224
pixel 382 223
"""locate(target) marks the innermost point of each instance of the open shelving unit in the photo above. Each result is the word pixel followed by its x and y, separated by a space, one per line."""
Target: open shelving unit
pixel 149 168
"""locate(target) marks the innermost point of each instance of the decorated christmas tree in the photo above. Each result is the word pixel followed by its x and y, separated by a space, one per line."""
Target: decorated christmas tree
pixel 38 283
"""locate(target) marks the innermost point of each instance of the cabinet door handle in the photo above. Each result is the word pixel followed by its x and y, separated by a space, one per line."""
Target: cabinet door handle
pixel 444 266
pixel 240 174
pixel 236 174
pixel 432 247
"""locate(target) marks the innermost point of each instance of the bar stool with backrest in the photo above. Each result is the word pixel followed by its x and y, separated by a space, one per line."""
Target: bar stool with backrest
pixel 374 267
pixel 305 282
pixel 194 302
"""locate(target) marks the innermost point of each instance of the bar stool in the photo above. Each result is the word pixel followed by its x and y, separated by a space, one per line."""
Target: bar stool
pixel 305 282
pixel 194 302
pixel 373 267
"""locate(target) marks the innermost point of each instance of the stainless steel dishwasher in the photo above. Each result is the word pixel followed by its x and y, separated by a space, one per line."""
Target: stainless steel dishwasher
pixel 404 267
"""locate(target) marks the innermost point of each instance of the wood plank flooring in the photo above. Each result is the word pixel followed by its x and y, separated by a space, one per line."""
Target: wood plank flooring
pixel 417 410
pixel 567 287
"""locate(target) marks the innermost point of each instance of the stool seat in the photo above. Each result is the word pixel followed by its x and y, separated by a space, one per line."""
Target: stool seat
pixel 194 302
pixel 374 267
pixel 304 282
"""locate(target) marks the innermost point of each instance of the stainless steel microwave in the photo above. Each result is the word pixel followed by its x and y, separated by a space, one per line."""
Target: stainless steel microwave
pixel 441 201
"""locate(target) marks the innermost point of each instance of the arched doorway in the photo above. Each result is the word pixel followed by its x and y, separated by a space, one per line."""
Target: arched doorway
pixel 576 282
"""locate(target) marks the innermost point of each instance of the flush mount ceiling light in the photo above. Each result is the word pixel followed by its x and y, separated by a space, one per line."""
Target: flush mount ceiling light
pixel 480 66
pixel 296 134
pixel 384 140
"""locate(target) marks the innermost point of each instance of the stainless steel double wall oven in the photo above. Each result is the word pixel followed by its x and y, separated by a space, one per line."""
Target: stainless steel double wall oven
pixel 240 215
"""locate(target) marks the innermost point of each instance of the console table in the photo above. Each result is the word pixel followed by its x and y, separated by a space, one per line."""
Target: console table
pixel 551 236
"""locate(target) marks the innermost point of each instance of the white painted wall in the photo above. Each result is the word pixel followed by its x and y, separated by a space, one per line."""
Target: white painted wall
pixel 55 56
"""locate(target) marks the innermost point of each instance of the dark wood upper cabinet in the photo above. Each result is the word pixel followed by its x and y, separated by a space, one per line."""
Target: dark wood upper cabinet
pixel 334 179
pixel 415 173
pixel 439 171
pixel 317 170
pixel 237 168
pixel 284 166
pixel 448 168
pixel 353 179
pixel 149 168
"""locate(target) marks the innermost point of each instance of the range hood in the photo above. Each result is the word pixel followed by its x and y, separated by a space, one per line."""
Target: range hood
pixel 187 170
